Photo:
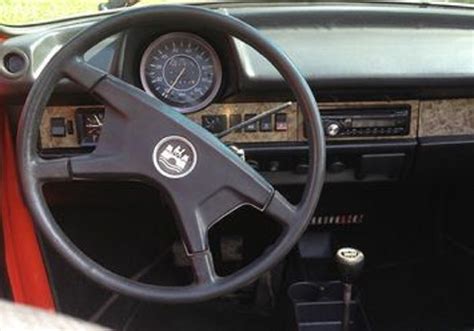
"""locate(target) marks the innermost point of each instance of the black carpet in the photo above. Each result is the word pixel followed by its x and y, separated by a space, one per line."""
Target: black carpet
pixel 210 316
pixel 430 295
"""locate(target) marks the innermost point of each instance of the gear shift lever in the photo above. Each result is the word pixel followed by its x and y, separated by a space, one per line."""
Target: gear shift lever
pixel 350 262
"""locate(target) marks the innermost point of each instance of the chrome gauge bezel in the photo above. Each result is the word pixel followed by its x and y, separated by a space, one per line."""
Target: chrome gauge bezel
pixel 203 43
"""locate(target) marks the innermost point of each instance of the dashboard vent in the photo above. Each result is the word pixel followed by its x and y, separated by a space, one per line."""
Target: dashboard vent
pixel 13 63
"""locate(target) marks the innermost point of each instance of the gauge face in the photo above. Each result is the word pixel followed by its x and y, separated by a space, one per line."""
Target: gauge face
pixel 182 70
pixel 90 122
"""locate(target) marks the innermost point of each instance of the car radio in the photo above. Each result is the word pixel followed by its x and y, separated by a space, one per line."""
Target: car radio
pixel 366 122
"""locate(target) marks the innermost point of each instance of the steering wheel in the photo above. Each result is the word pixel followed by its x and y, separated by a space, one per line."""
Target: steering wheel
pixel 143 139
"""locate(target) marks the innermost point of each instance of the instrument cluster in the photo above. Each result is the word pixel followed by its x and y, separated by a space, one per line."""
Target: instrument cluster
pixel 181 69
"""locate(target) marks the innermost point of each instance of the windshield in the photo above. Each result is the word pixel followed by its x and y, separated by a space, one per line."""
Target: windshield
pixel 21 12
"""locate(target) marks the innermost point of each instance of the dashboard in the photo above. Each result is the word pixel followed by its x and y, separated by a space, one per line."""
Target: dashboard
pixel 76 127
pixel 79 126
pixel 388 85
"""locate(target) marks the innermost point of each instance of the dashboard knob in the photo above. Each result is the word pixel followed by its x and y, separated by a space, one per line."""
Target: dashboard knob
pixel 333 129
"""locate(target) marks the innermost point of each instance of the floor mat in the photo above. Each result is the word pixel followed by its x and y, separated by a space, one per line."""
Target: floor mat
pixel 434 295
pixel 209 316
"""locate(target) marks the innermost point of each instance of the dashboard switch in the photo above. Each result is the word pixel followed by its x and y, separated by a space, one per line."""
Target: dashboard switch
pixel 58 126
pixel 251 127
pixel 281 122
pixel 266 124
pixel 274 166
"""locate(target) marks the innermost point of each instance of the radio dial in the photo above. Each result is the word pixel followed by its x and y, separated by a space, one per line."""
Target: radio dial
pixel 333 129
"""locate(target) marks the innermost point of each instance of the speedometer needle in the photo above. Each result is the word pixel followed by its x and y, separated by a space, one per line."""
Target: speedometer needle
pixel 176 80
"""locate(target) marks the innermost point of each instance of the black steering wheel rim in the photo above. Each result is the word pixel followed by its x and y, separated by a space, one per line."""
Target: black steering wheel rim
pixel 28 158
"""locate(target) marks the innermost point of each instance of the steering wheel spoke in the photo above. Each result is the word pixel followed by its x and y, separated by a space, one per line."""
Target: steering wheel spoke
pixel 51 170
pixel 203 267
pixel 99 167
pixel 83 73
pixel 194 233
pixel 130 101
pixel 281 210
pixel 198 210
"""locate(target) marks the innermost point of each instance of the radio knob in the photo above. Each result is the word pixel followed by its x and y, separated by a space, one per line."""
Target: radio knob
pixel 333 129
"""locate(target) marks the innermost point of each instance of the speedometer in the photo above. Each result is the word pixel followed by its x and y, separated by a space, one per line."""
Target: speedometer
pixel 182 70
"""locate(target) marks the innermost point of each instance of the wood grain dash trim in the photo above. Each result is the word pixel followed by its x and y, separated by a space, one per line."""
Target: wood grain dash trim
pixel 446 118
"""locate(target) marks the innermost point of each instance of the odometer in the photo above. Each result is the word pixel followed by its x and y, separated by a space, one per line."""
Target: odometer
pixel 182 70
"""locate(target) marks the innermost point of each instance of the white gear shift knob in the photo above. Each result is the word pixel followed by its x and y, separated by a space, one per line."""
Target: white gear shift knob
pixel 350 262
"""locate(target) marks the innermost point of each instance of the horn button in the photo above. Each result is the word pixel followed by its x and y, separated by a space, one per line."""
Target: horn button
pixel 174 157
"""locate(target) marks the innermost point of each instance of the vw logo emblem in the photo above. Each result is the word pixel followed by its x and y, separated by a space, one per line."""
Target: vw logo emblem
pixel 174 157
